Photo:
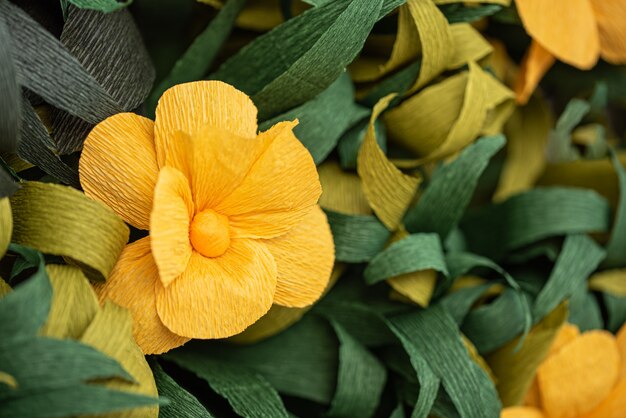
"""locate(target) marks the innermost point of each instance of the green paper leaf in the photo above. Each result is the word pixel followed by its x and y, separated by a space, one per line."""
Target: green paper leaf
pixel 302 57
pixel 414 253
pixel 616 247
pixel 182 403
pixel 36 148
pixel 10 108
pixel 301 361
pixel 433 336
pixel 64 84
pixel 443 203
pixel 39 363
pixel 248 392
pixel 360 381
pixel 323 119
pixel 105 6
pixel 357 238
pixel 578 259
pixel 26 315
pixel 62 221
pixel 198 58
pixel 110 48
pixel 534 215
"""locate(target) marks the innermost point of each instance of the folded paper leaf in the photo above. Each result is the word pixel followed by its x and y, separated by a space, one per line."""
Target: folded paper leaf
pixel 62 221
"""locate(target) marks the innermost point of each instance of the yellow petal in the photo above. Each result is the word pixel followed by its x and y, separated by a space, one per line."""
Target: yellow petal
pixel 169 224
pixel 521 412
pixel 132 285
pixel 118 166
pixel 574 381
pixel 304 260
pixel 621 345
pixel 215 161
pixel 220 297
pixel 189 107
pixel 567 334
pixel 610 16
pixel 535 65
pixel 280 189
pixel 566 28
pixel 613 406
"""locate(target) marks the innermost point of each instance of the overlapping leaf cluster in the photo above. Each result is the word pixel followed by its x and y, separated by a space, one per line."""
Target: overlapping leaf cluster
pixel 466 230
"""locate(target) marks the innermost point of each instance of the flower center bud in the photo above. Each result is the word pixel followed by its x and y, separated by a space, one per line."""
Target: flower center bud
pixel 209 233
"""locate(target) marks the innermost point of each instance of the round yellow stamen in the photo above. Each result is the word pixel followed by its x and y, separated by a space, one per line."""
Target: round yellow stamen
pixel 209 233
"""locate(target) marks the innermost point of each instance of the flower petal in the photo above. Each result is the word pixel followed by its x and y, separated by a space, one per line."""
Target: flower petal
pixel 304 260
pixel 521 412
pixel 216 161
pixel 169 224
pixel 279 190
pixel 535 65
pixel 220 297
pixel 118 166
pixel 566 28
pixel 188 107
pixel 610 16
pixel 574 381
pixel 132 285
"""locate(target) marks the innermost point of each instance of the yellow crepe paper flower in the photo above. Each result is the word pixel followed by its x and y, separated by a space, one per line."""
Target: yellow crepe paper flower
pixel 583 376
pixel 576 32
pixel 233 216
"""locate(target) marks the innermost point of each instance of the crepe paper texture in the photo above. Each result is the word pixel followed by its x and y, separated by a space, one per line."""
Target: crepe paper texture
pixel 234 224
pixel 312 208
pixel 64 347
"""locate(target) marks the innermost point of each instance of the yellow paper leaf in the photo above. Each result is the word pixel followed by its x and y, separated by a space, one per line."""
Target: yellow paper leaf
pixel 444 118
pixel 609 281
pixel 74 303
pixel 435 38
pixel 515 369
pixel 6 225
pixel 387 189
pixel 60 220
pixel 527 135
pixel 598 175
pixel 111 333
pixel 4 288
pixel 341 190
pixel 469 45
pixel 8 380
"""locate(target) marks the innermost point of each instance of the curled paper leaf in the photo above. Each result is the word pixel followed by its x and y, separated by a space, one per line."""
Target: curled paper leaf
pixel 360 381
pixel 414 253
pixel 527 134
pixel 6 225
pixel 110 48
pixel 535 215
pixel 515 366
pixel 10 108
pixel 387 189
pixel 62 221
pixel 322 120
pixel 300 58
pixel 342 191
pixel 444 201
pixel 609 281
pixel 447 116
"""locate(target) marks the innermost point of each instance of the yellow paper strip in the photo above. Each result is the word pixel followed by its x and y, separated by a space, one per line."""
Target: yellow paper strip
pixel 387 189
